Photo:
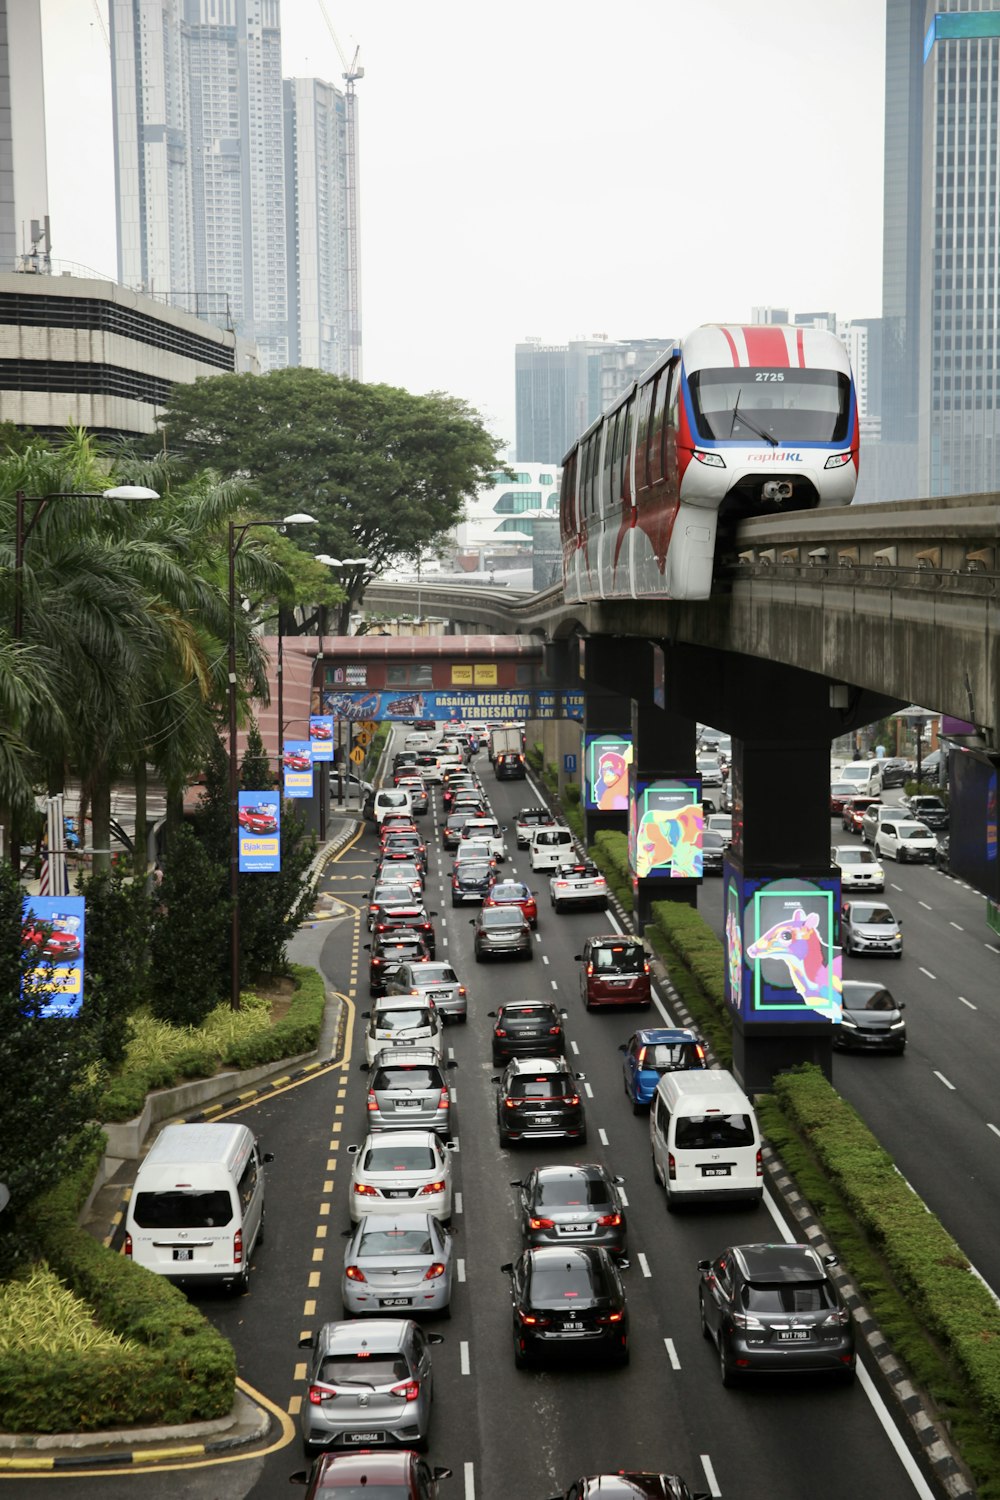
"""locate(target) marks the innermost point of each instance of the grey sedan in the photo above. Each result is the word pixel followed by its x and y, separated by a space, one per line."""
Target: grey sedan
pixel 502 929
pixel 398 1263
pixel 578 1205
pixel 435 982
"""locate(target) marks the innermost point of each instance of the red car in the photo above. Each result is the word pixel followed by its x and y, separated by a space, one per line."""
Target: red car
pixel 854 810
pixel 320 732
pixel 388 1476
pixel 297 760
pixel 838 791
pixel 514 893
pixel 257 820
pixel 58 945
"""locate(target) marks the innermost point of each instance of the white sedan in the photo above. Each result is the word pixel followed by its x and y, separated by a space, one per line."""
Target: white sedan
pixel 859 868
pixel 401 1021
pixel 578 884
pixel 400 1169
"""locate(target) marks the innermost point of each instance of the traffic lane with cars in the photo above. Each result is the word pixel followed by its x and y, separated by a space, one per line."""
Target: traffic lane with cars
pixel 671 1394
pixel 935 1115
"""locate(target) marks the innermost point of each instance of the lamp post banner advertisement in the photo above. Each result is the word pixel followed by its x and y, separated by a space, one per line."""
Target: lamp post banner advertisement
pixel 297 764
pixel 53 932
pixel 321 736
pixel 260 833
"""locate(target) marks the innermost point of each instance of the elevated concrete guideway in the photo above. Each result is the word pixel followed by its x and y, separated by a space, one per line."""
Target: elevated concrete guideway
pixel 901 599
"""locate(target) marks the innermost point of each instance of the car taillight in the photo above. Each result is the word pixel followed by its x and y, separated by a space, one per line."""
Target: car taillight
pixel 499 1031
pixel 611 1317
pixel 365 1190
pixel 238 1248
pixel 760 1165
pixel 128 1245
pixel 318 1393
pixel 434 1271
pixel 377 962
pixel 432 1187
pixel 541 1223
pixel 590 970
pixel 609 1221
pixel 561 885
pixel 372 1101
pixel 600 880
pixel 671 1166
pixel 572 1099
pixel 745 1320
pixel 641 1056
pixel 554 1030
pixel 355 1273
pixel 837 1318
pixel 462 990
pixel 444 1099
pixel 645 966
pixel 531 1320
pixel 513 1103
pixel 700 1051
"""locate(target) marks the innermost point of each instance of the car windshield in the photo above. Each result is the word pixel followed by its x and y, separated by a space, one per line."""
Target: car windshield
pixel 564 1279
pixel 865 997
pixel 788 1297
pixel 621 958
pixel 547 1086
pixel 854 773
pixel 496 916
pixel 471 869
pixel 664 1056
pixel 874 916
pixel 710 839
pixel 704 1132
pixel 183 1210
pixel 366 1370
pixel 390 1158
pixel 913 831
pixel 787 405
pixel 533 815
pixel 855 857
pixel 391 1241
pixel 571 1192
pixel 402 1020
pixel 436 974
pixel 510 890
pixel 415 1079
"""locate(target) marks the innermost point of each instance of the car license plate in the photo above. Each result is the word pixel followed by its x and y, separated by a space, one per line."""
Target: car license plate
pixel 364 1437
pixel 398 1193
pixel 403 1041
pixel 716 1171
pixel 182 1252
pixel 395 1301
pixel 793 1335
pixel 408 1104
pixel 542 1120
pixel 574 1228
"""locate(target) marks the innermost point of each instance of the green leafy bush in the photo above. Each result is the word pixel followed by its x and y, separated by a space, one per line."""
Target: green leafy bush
pixel 610 851
pixel 298 1031
pixel 172 1367
pixel 535 756
pixel 572 794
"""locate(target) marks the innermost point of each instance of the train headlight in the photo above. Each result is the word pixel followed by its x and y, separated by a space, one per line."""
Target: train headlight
pixel 711 460
pixel 838 460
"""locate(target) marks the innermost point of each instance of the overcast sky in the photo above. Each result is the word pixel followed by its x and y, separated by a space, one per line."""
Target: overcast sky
pixel 557 168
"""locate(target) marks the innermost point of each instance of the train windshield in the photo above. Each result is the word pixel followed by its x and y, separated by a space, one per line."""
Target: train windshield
pixel 780 406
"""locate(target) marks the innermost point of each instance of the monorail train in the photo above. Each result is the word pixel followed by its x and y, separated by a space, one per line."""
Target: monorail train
pixel 737 421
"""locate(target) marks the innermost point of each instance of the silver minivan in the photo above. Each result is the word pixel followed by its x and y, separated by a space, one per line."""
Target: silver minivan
pixel 407 1090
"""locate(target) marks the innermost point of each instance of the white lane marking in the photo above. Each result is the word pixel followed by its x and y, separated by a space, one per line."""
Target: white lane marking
pixel 995 1129
pixel 894 886
pixel 538 939
pixel 712 1482
pixel 603 1135
pixel 621 1194
pixel 927 972
pixel 444 942
pixel 451 1054
pixel 458 1203
pixel 944 1080
pixel 956 926
pixel 553 984
pixel 672 1354
pixel 461 1269
pixel 545 958
pixel 456 1143
pixel 878 1406
pixel 643 1264
pixel 588 1090
pixel 470 1482
pixel 968 1003
pixel 992 947
pixel 463 1351
pixel 925 906
pixel 576 1051
pixel 454 1093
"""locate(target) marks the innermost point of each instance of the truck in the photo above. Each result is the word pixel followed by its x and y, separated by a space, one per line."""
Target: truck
pixel 507 753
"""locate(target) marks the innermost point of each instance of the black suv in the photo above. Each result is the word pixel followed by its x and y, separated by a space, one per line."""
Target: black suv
pixel 389 949
pixel 539 1097
pixel 527 1028
pixel 567 1298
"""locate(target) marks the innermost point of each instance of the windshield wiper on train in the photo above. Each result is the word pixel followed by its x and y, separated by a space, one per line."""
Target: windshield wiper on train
pixel 767 436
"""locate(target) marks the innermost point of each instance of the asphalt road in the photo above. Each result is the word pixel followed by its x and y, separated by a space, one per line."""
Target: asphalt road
pixel 526 1435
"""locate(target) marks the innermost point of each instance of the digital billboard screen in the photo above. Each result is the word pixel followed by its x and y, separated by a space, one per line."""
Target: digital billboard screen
pixel 783 959
pixel 972 850
pixel 665 827
pixel 606 759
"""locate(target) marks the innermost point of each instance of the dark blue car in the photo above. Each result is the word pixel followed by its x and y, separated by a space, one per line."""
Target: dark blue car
pixel 656 1050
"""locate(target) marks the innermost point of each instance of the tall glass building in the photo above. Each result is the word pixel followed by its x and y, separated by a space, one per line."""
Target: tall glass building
pixel 941 256
pixel 319 314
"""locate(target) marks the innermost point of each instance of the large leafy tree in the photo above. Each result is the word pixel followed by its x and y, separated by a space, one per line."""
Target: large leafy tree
pixel 383 471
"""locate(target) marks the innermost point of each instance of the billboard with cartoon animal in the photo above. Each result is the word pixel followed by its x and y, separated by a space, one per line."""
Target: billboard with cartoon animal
pixel 606 759
pixel 665 827
pixel 783 961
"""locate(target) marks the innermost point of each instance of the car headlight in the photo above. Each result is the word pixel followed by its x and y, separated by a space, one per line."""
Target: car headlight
pixel 897 1026
pixel 710 460
pixel 845 1020
pixel 837 460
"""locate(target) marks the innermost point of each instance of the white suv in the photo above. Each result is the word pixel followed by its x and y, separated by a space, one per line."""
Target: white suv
pixel 488 831
pixel 902 839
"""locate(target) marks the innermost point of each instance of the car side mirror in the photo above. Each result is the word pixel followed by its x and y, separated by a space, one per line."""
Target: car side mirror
pixel 618 1181
pixel 368 947
pixel 450 1145
pixel 472 923
pixel 268 1156
pixel 434 1338
pixel 432 913
pixel 581 1077
pixel 299 1477
pixel 831 1260
pixel 491 1013
pixel 508 1268
pixel 516 1182
pixel 362 1067
pixel 366 1015
pixel 440 1472
pixel 564 1014
pixel 901 1005
pixel 578 957
pixel 353 1150
pixel 495 1080
pixel 307 1341
pixel 704 1265
pixel 623 1046
pixel 451 1063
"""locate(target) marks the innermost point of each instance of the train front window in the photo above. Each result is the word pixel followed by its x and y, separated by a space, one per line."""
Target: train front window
pixel 785 406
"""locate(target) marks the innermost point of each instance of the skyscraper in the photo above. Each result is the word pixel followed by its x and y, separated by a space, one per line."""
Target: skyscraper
pixel 316 218
pixel 24 193
pixel 941 254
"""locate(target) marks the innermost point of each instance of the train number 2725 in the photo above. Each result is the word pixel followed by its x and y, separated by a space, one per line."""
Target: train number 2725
pixel 769 375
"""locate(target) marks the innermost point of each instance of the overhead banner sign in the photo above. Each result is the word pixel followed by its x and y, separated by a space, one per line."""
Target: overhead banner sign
pixel 297 764
pixel 53 931
pixel 505 704
pixel 260 832
pixel 321 736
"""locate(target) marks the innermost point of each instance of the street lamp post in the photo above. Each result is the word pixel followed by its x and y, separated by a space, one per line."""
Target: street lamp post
pixel 237 535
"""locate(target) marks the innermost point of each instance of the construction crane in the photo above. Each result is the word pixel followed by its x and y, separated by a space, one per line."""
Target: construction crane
pixel 352 72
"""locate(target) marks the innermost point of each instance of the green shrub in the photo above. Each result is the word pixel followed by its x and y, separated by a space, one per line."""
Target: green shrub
pixel 571 795
pixel 298 1031
pixel 610 851
pixel 535 756
pixel 172 1368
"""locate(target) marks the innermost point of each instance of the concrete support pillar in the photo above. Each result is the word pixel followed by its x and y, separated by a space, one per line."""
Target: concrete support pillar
pixel 607 753
pixel 664 752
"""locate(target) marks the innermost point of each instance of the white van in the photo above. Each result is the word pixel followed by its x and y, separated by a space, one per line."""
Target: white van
pixel 705 1139
pixel 391 799
pixel 863 776
pixel 550 847
pixel 197 1209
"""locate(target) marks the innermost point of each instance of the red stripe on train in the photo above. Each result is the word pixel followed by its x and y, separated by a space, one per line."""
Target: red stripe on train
pixel 732 347
pixel 800 348
pixel 766 346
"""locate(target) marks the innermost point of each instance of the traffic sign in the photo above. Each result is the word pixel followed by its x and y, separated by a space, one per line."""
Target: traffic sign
pixel 569 763
pixel 363 737
pixel 358 755
pixel 369 726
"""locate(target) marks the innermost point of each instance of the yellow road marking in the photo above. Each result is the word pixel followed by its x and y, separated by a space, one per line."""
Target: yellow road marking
pixel 314 1278
pixel 318 1253
pixel 309 1311
pixel 295 1405
pixel 300 1371
pixel 324 1208
pixel 321 1231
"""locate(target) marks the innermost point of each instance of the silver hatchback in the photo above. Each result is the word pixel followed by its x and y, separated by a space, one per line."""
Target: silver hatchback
pixel 435 982
pixel 502 929
pixel 407 1090
pixel 370 1385
pixel 401 1265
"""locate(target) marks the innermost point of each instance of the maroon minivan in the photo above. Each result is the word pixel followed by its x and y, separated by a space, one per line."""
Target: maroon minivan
pixel 615 971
